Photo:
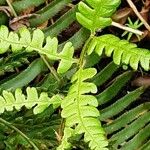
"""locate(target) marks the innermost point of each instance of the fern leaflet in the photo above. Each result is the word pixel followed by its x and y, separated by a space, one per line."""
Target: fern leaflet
pixel 122 51
pixel 80 112
pixel 23 39
pixel 65 144
pixel 97 14
pixel 8 101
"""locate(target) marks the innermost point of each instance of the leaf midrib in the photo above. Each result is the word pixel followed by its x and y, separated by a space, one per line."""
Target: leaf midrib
pixel 23 103
pixel 41 50
pixel 78 106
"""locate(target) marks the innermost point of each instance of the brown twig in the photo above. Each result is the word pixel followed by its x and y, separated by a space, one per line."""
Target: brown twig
pixel 127 28
pixel 6 10
pixel 16 19
pixel 52 69
pixel 12 9
pixel 138 14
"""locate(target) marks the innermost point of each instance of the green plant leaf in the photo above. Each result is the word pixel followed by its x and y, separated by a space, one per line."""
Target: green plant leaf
pixel 8 101
pixel 96 13
pixel 125 114
pixel 114 88
pixel 25 77
pixel 123 52
pixel 47 12
pixel 79 110
pixel 22 5
pixel 35 43
pixel 62 23
pixel 105 74
pixel 68 132
pixel 121 104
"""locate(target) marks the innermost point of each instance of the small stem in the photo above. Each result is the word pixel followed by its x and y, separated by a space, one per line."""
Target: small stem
pixel 84 51
pixel 17 130
pixel 138 14
pixel 138 32
pixel 11 7
pixel 6 9
pixel 22 17
pixel 52 70
pixel 60 130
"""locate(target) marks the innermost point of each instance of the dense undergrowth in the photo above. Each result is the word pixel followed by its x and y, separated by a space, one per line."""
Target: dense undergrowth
pixel 59 90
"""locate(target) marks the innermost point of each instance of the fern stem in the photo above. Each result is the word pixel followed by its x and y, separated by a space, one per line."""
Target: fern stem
pixel 11 7
pixel 17 130
pixel 81 61
pixel 52 70
pixel 60 131
pixel 137 32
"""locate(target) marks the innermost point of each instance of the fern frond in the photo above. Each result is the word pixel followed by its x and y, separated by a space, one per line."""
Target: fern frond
pixel 8 101
pixel 65 144
pixel 80 112
pixel 36 42
pixel 96 13
pixel 123 52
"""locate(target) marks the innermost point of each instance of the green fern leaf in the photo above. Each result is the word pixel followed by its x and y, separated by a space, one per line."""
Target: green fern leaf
pixel 79 110
pixel 68 132
pixel 36 42
pixel 8 101
pixel 96 13
pixel 123 52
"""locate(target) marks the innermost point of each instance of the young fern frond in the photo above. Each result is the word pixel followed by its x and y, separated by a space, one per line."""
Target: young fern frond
pixel 123 52
pixel 96 13
pixel 37 42
pixel 79 110
pixel 8 101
